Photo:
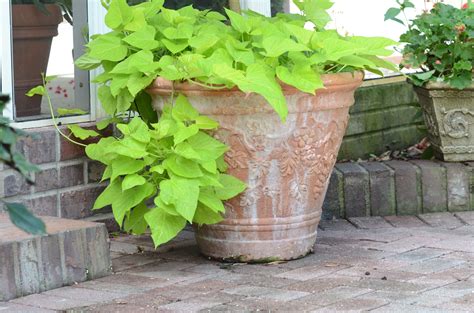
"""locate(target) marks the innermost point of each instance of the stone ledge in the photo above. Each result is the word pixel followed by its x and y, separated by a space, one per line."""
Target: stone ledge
pixel 73 251
pixel 399 188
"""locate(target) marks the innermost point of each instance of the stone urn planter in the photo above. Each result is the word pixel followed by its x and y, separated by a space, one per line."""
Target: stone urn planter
pixel 449 115
pixel 286 165
pixel 33 32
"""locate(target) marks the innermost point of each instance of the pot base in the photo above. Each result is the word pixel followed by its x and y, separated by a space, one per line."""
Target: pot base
pixel 240 251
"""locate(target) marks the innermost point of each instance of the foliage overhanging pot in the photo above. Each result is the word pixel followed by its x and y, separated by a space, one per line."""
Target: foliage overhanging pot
pixel 449 114
pixel 285 166
pixel 33 32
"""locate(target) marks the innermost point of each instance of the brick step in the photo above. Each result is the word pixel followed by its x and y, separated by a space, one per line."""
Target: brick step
pixel 399 188
pixel 73 251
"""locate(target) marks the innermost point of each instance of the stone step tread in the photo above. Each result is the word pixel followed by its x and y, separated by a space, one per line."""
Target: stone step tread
pixel 73 251
pixel 54 225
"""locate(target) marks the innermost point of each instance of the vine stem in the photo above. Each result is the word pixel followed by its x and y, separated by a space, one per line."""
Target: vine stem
pixel 55 122
pixel 406 19
pixel 206 86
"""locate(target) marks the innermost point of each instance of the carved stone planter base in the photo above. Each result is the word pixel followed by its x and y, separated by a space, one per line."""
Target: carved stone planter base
pixel 286 166
pixel 449 115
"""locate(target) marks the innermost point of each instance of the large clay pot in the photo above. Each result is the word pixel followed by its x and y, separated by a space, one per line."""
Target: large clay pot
pixel 449 114
pixel 33 32
pixel 285 165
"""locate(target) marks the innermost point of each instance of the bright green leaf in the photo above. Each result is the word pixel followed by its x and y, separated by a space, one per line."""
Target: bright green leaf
pixel 183 110
pixel 183 193
pixel 143 39
pixel 207 147
pixel 204 122
pixel 164 226
pixel 124 165
pixel 38 90
pixel 302 77
pixel 128 199
pixel 62 112
pixel 209 199
pixel 232 187
pixel 118 14
pixel 132 180
pixel 135 221
pixel 206 216
pixel 182 167
pixel 107 48
pixel 82 133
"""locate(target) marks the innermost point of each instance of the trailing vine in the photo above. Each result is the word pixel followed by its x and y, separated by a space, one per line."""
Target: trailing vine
pixel 166 171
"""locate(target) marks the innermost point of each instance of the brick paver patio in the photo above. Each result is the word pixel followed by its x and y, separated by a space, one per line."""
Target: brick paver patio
pixel 393 264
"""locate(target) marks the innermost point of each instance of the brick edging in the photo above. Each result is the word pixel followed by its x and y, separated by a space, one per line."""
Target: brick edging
pixel 399 188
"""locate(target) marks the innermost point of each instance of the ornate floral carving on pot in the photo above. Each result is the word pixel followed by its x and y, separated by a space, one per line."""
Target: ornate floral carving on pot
pixel 286 166
pixel 456 122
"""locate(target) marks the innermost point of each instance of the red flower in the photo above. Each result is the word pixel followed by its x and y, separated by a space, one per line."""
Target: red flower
pixel 460 28
pixel 465 6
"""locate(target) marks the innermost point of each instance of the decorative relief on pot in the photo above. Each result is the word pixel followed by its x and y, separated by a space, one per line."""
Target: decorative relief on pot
pixel 303 159
pixel 298 191
pixel 455 123
pixel 430 122
pixel 457 149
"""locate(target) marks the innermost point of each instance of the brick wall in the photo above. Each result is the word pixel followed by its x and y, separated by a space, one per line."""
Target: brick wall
pixel 67 184
pixel 399 188
pixel 383 117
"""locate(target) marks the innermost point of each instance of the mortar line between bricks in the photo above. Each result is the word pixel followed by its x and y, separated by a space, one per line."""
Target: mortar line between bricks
pixel 54 192
pixel 41 274
pixel 445 168
pixel 58 170
pixel 336 301
pixel 386 304
pixel 441 286
pixel 367 193
pixel 340 193
pixel 85 171
pixel 422 220
pixel 375 308
pixel 48 166
pixel 371 132
pixel 16 267
pixel 394 187
pixel 393 225
pixel 459 219
pixel 419 187
pixel 353 224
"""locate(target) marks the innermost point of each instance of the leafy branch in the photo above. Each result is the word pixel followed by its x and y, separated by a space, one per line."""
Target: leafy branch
pixel 19 214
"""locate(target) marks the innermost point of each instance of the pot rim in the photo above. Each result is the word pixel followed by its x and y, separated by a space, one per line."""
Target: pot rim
pixel 331 81
pixel 28 15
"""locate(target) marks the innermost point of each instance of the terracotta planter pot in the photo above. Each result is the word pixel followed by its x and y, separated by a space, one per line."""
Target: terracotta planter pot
pixel 449 115
pixel 33 32
pixel 286 166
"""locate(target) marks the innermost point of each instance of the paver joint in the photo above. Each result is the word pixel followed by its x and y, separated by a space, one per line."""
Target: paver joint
pixel 391 264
